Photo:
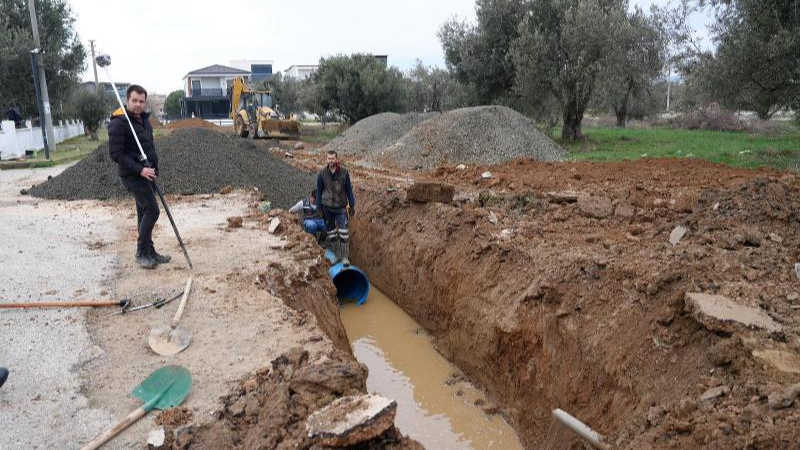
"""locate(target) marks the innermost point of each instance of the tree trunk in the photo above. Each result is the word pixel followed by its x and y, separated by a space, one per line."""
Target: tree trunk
pixel 573 116
pixel 622 116
pixel 93 134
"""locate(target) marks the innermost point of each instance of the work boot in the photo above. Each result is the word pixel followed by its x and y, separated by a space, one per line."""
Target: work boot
pixel 159 259
pixel 3 375
pixel 344 246
pixel 145 260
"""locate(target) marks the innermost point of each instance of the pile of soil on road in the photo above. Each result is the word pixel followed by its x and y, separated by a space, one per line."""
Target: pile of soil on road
pixel 557 284
pixel 190 123
pixel 269 410
pixel 191 161
pixel 475 135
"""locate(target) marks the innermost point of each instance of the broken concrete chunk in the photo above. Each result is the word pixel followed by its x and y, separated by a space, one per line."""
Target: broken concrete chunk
pixel 597 207
pixel 783 361
pixel 299 145
pixel 486 175
pixel 461 167
pixel 718 313
pixel 785 398
pixel 677 234
pixel 775 238
pixel 797 270
pixel 351 420
pixel 430 193
pixel 713 393
pixel 624 210
pixel 156 437
pixel 273 225
pixel 493 218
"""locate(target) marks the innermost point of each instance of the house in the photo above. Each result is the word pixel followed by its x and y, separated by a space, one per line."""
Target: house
pixel 300 72
pixel 261 69
pixel 122 88
pixel 207 91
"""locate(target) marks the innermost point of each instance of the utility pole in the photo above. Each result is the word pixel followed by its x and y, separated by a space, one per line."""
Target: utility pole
pixel 94 65
pixel 45 119
pixel 669 84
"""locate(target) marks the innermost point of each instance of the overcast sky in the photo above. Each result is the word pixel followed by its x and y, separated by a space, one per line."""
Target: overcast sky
pixel 156 42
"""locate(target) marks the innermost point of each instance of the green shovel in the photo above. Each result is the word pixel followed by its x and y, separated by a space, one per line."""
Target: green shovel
pixel 164 388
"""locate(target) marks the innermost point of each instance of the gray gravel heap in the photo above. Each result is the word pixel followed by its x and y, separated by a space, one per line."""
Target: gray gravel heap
pixel 476 135
pixel 191 161
pixel 371 135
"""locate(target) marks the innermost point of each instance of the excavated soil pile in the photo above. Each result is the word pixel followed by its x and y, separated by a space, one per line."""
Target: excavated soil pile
pixel 476 135
pixel 191 161
pixel 269 410
pixel 555 285
pixel 191 123
pixel 371 135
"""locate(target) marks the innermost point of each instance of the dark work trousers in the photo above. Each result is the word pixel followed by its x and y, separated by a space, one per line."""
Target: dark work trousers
pixel 334 218
pixel 147 211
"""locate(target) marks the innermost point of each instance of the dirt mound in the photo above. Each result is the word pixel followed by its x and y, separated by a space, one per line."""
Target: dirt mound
pixel 269 410
pixel 371 135
pixel 192 161
pixel 477 135
pixel 190 123
pixel 546 304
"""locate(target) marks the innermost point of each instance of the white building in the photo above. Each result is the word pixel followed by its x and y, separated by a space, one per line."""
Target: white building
pixel 207 91
pixel 301 72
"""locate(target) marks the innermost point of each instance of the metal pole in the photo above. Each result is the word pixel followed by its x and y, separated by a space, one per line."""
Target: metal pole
pixel 46 119
pixel 669 84
pixel 94 65
pixel 39 106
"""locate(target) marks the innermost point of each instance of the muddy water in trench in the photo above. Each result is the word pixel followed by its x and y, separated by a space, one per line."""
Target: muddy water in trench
pixel 403 365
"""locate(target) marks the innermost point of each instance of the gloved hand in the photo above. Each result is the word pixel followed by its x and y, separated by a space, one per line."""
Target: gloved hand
pixel 352 212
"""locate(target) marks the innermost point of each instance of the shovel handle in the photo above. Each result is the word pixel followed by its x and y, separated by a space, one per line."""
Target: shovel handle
pixel 117 429
pixel 179 313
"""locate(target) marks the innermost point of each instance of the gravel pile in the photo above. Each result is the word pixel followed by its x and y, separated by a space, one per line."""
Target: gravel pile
pixel 476 135
pixel 371 135
pixel 192 161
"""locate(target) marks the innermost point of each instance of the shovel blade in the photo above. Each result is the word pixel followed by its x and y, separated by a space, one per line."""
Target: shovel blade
pixel 165 388
pixel 167 341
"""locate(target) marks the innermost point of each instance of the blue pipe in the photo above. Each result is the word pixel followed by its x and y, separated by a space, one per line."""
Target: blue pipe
pixel 351 282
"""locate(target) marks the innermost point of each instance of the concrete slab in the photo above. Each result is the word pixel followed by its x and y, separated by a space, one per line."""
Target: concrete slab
pixel 718 313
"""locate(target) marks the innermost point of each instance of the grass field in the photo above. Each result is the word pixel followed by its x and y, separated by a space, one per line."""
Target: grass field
pixel 780 150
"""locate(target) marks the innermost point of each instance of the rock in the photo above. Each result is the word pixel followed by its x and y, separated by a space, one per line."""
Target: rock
pixel 493 218
pixel 486 175
pixel 718 313
pixel 785 398
pixel 775 238
pixel 226 190
pixel 273 225
pixel 624 210
pixel 349 421
pixel 685 407
pixel 677 234
pixel 430 193
pixel 797 270
pixel 23 192
pixel 235 222
pixel 461 167
pixel 655 415
pixel 783 361
pixel 714 393
pixel 792 297
pixel 563 197
pixel 156 437
pixel 597 207
pixel 288 155
pixel 299 145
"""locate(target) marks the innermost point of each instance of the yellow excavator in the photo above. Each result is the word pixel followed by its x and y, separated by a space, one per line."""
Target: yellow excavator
pixel 253 114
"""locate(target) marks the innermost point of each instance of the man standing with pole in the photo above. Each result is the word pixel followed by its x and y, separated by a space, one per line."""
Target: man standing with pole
pixel 334 194
pixel 137 176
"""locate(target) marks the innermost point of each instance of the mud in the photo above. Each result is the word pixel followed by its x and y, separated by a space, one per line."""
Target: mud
pixel 547 303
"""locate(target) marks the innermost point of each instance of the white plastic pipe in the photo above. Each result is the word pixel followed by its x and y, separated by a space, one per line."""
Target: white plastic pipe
pixel 581 429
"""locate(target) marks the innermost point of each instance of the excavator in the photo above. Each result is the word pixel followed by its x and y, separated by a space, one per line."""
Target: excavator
pixel 254 115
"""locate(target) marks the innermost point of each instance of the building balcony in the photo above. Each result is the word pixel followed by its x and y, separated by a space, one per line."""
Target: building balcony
pixel 210 93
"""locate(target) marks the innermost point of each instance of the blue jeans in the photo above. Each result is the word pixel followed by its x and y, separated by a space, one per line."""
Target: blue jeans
pixel 334 218
pixel 314 226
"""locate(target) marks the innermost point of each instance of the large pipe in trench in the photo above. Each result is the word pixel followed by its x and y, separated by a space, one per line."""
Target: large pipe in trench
pixel 351 282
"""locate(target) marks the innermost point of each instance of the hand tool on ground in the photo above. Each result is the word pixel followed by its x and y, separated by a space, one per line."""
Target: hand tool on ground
pixel 165 388
pixel 124 304
pixel 104 61
pixel 157 304
pixel 171 339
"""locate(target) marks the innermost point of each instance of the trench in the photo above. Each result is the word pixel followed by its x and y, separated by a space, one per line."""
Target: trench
pixel 436 406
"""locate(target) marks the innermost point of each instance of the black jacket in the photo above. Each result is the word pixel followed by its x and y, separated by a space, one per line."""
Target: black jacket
pixel 122 146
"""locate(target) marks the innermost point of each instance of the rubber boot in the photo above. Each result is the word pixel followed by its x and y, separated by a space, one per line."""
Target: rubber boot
pixel 159 259
pixel 344 242
pixel 333 245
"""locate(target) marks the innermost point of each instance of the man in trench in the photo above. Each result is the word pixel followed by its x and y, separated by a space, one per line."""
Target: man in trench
pixel 334 195
pixel 138 175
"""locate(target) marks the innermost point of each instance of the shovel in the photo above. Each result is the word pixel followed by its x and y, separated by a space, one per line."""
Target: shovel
pixel 169 340
pixel 164 388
